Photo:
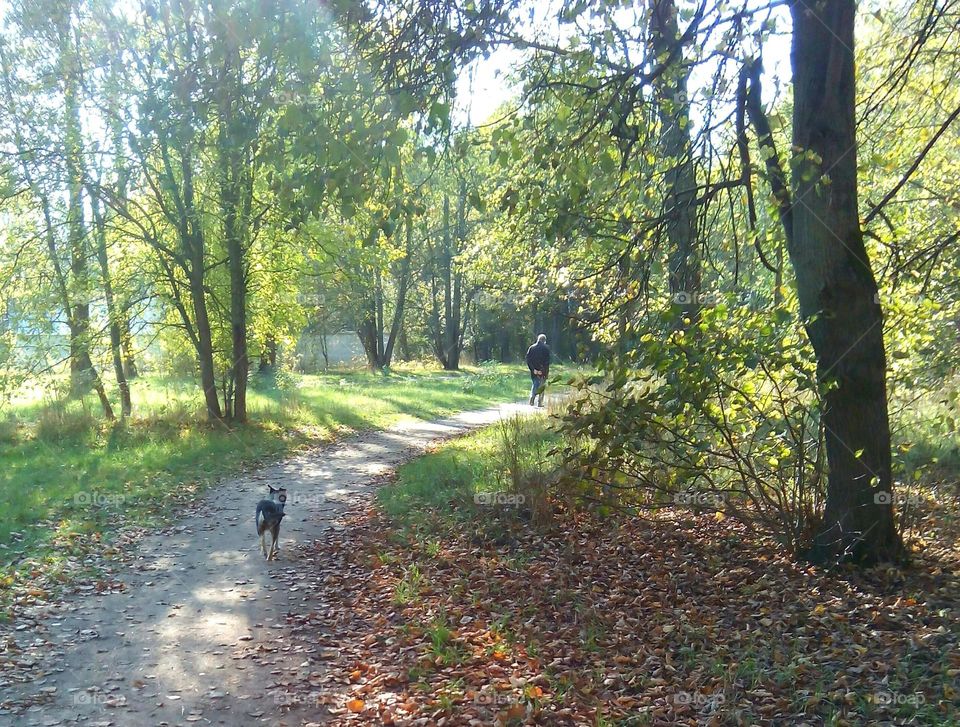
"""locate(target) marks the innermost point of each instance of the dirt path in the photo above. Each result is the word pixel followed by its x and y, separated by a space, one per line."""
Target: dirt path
pixel 179 643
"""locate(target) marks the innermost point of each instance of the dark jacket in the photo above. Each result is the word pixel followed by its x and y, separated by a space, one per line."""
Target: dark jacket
pixel 538 358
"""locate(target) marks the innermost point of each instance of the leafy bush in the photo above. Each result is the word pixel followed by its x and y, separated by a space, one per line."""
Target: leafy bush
pixel 724 415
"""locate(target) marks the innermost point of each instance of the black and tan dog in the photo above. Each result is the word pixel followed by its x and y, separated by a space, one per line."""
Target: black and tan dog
pixel 271 512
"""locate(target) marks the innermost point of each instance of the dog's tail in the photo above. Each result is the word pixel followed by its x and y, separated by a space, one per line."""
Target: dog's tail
pixel 258 515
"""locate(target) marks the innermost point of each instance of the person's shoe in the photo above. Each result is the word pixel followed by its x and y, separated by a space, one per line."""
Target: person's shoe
pixel 531 401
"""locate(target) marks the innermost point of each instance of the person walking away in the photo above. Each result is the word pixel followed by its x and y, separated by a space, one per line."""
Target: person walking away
pixel 538 361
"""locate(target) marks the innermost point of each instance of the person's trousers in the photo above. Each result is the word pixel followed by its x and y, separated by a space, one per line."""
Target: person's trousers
pixel 539 384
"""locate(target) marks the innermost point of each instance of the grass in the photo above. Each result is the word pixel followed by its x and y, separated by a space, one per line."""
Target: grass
pixel 479 464
pixel 66 471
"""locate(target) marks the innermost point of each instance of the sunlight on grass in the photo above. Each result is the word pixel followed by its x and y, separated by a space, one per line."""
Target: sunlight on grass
pixel 459 469
pixel 62 461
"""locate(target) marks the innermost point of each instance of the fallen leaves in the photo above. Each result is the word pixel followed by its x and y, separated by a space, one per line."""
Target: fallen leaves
pixel 677 621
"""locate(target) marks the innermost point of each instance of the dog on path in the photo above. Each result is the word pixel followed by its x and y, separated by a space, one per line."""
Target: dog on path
pixel 269 515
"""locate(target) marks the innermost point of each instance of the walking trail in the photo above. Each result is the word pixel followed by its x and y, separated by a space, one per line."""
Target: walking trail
pixel 172 645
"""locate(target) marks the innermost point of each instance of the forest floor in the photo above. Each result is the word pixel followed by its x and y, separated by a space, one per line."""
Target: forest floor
pixel 400 597
pixel 446 612
pixel 192 625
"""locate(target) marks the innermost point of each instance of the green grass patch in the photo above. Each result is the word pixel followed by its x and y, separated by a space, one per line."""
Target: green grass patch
pixel 465 475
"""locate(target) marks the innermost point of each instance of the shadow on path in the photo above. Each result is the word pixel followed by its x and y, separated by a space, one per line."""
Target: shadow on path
pixel 184 641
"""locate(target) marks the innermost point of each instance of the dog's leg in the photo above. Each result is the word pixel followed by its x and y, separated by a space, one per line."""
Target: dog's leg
pixel 274 543
pixel 263 546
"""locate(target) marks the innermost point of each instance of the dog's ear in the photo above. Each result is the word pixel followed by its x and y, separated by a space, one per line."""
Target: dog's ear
pixel 271 488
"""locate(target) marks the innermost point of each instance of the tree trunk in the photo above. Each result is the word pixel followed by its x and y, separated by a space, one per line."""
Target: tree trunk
pixel 450 358
pixel 238 327
pixel 130 370
pixel 208 377
pixel 113 315
pixel 680 209
pixel 403 282
pixel 81 374
pixel 192 235
pixel 233 223
pixel 369 329
pixel 837 290
pixel 123 176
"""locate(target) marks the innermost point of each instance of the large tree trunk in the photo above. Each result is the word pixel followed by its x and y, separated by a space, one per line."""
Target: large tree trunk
pixel 113 315
pixel 680 209
pixel 81 373
pixel 193 241
pixel 208 377
pixel 233 224
pixel 450 358
pixel 403 282
pixel 836 288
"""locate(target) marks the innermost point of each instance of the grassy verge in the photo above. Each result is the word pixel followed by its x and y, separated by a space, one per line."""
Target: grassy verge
pixel 64 472
pixel 495 468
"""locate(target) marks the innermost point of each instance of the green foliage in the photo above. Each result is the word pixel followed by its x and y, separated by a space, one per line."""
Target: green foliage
pixel 723 416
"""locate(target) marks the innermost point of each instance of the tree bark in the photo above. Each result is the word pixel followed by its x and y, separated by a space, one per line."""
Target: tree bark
pixel 403 283
pixel 113 315
pixel 130 370
pixel 837 290
pixel 193 241
pixel 81 373
pixel 231 182
pixel 122 171
pixel 449 360
pixel 680 207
